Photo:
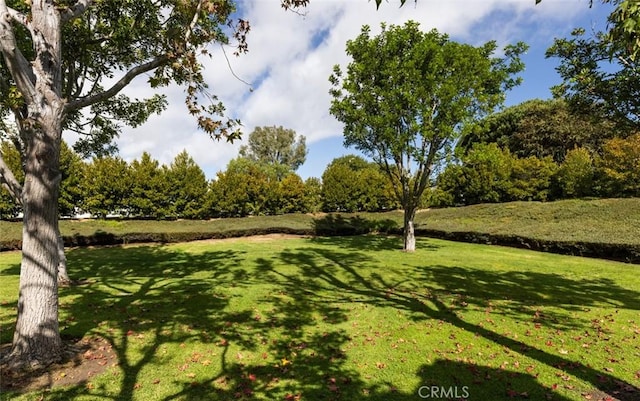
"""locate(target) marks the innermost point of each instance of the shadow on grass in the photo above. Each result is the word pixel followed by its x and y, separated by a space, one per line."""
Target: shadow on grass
pixel 426 295
pixel 145 299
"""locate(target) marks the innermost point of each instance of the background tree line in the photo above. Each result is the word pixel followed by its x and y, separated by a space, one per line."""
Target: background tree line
pixel 538 150
pixel 541 150
pixel 252 183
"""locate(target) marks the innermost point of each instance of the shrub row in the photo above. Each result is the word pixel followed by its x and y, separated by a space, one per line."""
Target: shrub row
pixel 341 226
pixel 629 253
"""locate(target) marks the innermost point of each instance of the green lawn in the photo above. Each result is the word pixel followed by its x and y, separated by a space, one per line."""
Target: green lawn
pixel 347 319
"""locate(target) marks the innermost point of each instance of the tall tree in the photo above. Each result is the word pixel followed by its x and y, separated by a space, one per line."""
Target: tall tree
pixel 149 187
pixel 276 146
pixel 406 95
pixel 187 187
pixel 106 187
pixel 340 184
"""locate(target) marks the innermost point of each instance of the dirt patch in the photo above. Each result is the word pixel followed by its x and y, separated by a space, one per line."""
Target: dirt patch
pixel 256 238
pixel 83 359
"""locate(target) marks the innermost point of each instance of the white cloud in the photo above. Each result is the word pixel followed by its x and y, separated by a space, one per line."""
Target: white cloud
pixel 291 57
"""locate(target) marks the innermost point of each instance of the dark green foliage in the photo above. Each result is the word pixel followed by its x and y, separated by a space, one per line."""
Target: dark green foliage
pixel 539 128
pixel 245 188
pixel 149 196
pixel 482 177
pixel 186 187
pixel 8 206
pixel 351 184
pixel 489 174
pixel 252 188
pixel 106 186
pixel 71 167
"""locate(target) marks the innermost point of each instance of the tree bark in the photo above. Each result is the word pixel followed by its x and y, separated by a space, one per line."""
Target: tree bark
pixel 409 235
pixel 36 341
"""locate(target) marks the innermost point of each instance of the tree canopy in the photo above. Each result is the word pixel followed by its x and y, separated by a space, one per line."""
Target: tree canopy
pixel 539 128
pixel 598 77
pixel 276 146
pixel 405 96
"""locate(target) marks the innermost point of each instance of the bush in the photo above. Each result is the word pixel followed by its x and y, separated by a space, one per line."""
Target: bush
pixel 575 177
pixel 619 167
pixel 530 178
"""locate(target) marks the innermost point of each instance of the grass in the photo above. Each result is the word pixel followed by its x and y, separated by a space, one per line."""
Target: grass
pixel 347 318
pixel 13 230
pixel 608 221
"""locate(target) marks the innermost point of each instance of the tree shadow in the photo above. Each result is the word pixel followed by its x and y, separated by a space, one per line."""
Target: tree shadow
pixel 288 340
pixel 457 380
pixel 144 300
pixel 429 293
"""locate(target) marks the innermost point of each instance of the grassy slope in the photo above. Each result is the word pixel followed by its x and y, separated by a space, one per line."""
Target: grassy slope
pixel 612 221
pixel 347 318
pixel 602 220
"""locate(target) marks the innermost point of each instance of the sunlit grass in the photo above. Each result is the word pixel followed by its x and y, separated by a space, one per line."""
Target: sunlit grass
pixel 347 318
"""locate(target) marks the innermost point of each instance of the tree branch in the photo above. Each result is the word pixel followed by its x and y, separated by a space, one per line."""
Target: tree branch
pixel 8 181
pixel 17 16
pixel 18 66
pixel 118 86
pixel 194 22
pixel 75 11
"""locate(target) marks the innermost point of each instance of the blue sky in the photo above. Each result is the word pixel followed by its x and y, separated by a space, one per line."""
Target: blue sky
pixel 290 59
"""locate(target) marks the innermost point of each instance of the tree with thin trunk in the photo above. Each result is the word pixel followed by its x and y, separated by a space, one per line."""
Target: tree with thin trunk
pixel 63 67
pixel 279 147
pixel 406 96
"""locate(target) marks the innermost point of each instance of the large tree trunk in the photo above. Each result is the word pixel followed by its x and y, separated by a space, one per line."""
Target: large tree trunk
pixel 36 341
pixel 408 234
